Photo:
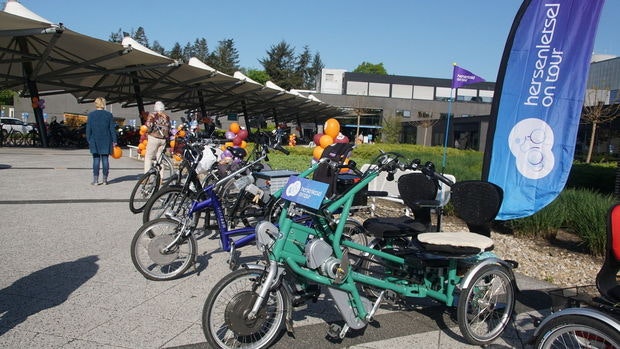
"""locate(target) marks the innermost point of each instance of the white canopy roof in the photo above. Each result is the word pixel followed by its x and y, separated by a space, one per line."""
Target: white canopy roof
pixel 63 61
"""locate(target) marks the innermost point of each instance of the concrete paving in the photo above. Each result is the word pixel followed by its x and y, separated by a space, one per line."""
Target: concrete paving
pixel 67 281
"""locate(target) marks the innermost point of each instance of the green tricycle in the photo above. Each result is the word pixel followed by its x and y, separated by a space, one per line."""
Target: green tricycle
pixel 251 306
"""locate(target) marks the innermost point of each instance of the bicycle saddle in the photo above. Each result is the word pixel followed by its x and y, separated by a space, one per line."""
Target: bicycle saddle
pixel 418 192
pixel 238 153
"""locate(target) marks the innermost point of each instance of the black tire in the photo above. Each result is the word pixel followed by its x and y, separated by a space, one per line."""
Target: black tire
pixel 355 232
pixel 223 321
pixel 171 199
pixel 576 331
pixel 147 255
pixel 146 186
pixel 485 307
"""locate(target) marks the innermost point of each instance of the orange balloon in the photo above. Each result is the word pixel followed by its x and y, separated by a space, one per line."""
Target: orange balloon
pixel 317 152
pixel 172 143
pixel 244 144
pixel 117 152
pixel 331 127
pixel 143 129
pixel 141 146
pixel 181 133
pixel 177 157
pixel 326 140
pixel 234 127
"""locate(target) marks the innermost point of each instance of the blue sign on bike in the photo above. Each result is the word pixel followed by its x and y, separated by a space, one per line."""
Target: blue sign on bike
pixel 305 191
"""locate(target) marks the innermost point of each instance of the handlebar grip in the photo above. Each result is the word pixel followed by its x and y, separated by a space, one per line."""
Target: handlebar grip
pixel 281 148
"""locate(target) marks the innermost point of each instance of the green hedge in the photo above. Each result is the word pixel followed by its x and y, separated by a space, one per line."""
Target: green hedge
pixel 581 208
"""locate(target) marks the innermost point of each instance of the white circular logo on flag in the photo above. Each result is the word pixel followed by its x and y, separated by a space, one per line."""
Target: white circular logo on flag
pixel 530 141
pixel 293 188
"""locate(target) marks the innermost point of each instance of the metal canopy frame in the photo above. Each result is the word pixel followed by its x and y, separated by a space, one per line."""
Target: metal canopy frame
pixel 39 58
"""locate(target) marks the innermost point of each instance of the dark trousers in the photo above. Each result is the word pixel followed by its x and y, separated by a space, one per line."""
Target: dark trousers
pixel 103 158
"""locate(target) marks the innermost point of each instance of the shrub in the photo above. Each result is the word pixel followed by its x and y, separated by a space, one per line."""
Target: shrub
pixel 598 177
pixel 579 211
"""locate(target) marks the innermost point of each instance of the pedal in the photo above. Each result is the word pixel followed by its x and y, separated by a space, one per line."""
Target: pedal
pixel 333 331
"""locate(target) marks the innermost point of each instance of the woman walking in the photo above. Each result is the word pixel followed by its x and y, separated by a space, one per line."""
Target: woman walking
pixel 101 137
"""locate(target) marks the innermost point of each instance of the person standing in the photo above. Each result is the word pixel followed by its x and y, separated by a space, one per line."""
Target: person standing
pixel 101 137
pixel 158 124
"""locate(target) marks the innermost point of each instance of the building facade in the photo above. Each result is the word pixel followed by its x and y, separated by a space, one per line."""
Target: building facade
pixel 422 105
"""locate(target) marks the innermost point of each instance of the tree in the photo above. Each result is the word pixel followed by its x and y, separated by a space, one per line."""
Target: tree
pixel 140 36
pixel 370 68
pixel 302 69
pixel 188 52
pixel 201 49
pixel 116 37
pixel 176 52
pixel 425 121
pixel 158 48
pixel 392 128
pixel 259 76
pixel 280 65
pixel 6 97
pixel 314 71
pixel 225 57
pixel 596 112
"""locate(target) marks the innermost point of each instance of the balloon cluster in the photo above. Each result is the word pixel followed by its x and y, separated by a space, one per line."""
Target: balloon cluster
pixel 331 134
pixel 143 140
pixel 236 137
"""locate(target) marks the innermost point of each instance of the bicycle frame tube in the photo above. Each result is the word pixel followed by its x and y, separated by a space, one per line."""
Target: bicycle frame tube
pixel 290 248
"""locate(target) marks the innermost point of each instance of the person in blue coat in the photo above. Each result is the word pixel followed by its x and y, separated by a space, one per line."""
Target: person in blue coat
pixel 101 136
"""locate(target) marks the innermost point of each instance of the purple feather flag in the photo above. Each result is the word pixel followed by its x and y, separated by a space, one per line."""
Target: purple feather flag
pixel 462 77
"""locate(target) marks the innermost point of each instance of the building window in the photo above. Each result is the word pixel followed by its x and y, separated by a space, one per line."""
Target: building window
pixel 403 113
pixel 329 77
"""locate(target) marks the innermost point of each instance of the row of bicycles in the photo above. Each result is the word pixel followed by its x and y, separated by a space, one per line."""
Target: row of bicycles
pixel 311 246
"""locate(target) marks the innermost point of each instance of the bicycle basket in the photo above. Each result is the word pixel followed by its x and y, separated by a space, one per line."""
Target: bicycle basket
pixel 571 297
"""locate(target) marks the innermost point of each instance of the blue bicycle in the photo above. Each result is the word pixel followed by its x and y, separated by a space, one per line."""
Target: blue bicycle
pixel 164 248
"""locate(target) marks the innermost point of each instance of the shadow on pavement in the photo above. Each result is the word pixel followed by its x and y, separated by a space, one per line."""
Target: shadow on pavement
pixel 124 179
pixel 43 289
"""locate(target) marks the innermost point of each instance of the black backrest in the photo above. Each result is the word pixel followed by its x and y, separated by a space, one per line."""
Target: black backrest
pixel 327 174
pixel 417 186
pixel 477 203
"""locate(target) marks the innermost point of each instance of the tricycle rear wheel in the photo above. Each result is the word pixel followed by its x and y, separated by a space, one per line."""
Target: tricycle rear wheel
pixel 485 306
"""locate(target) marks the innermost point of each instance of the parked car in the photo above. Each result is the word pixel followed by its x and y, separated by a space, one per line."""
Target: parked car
pixel 15 124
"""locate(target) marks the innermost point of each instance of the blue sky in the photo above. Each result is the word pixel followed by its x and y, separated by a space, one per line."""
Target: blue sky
pixel 410 37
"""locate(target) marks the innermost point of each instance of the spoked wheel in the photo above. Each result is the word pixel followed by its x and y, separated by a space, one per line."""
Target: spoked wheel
pixel 485 306
pixel 168 199
pixel 154 255
pixel 575 331
pixel 224 316
pixel 355 232
pixel 375 266
pixel 146 186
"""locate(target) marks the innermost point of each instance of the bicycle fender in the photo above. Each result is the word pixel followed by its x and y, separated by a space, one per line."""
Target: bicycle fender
pixel 586 312
pixel 488 261
pixel 288 292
